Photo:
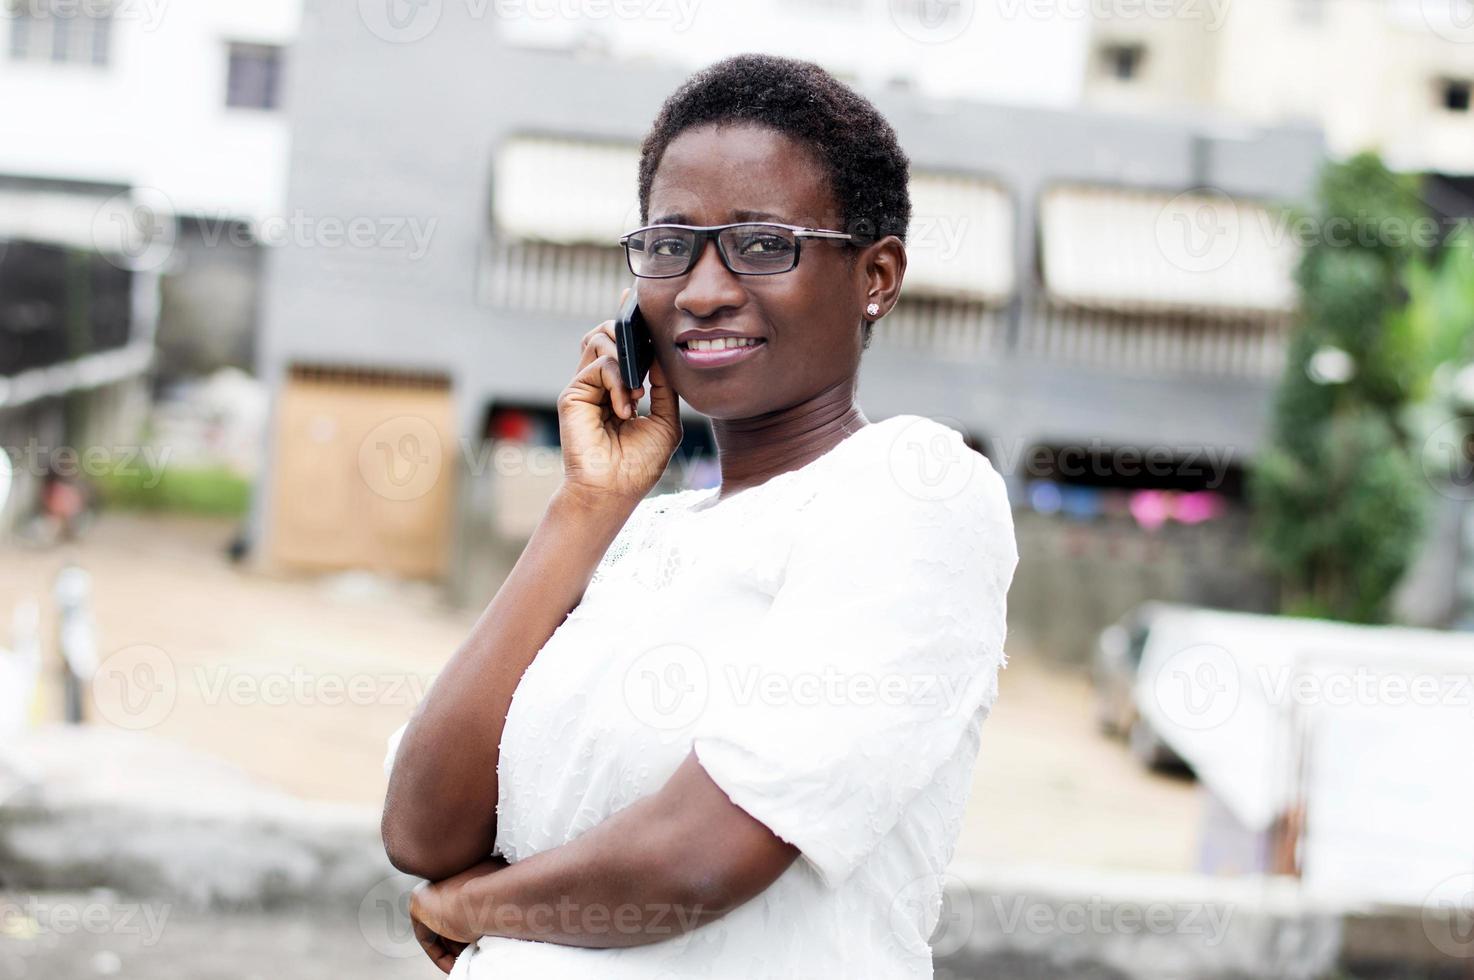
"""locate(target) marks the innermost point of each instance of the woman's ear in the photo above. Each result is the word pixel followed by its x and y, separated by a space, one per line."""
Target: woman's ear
pixel 882 266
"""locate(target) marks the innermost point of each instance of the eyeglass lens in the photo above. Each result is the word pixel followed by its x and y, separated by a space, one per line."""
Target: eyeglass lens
pixel 750 249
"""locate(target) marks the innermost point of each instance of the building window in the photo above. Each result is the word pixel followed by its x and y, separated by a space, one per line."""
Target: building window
pixel 60 31
pixel 1454 94
pixel 1123 61
pixel 254 78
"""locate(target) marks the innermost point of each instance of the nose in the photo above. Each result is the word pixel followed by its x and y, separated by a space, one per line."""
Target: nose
pixel 710 286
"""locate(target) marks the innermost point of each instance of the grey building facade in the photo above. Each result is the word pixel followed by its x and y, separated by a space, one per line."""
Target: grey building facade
pixel 402 136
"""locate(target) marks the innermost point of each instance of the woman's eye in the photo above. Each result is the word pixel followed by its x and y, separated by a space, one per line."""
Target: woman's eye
pixel 668 246
pixel 765 245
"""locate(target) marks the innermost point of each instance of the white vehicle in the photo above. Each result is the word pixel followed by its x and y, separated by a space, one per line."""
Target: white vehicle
pixel 1357 738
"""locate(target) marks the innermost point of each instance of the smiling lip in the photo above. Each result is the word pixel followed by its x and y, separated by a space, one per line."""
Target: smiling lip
pixel 718 358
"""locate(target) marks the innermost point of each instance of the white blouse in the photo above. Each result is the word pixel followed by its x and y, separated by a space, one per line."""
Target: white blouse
pixel 829 643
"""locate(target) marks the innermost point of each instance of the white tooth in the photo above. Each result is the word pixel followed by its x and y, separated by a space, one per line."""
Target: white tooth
pixel 701 344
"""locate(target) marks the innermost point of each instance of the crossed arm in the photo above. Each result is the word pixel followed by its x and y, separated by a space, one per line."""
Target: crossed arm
pixel 662 866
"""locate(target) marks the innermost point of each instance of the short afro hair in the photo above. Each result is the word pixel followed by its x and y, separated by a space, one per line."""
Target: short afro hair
pixel 868 171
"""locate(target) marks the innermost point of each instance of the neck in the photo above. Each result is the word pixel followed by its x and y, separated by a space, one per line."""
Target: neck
pixel 754 450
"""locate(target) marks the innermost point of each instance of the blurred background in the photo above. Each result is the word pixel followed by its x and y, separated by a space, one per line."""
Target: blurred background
pixel 288 290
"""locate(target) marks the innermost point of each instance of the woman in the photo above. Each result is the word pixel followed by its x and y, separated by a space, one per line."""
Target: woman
pixel 745 717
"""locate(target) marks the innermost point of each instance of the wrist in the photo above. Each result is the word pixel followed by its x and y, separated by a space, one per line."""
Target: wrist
pixel 584 503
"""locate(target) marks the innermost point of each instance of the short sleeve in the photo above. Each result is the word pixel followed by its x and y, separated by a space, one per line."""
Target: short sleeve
pixel 393 749
pixel 878 655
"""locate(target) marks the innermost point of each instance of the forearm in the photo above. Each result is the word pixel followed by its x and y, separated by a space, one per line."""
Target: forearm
pixel 440 809
pixel 630 881
pixel 658 868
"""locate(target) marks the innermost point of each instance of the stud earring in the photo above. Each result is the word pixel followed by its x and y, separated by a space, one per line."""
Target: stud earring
pixel 873 309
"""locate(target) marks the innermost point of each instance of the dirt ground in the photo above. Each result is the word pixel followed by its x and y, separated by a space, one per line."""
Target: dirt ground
pixel 298 680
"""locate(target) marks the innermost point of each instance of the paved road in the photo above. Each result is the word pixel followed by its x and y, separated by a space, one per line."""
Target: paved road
pixel 86 937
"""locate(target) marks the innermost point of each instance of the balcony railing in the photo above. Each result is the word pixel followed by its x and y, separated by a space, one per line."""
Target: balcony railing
pixel 579 281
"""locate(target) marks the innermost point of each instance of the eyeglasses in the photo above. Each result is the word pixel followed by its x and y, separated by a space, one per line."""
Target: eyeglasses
pixel 747 249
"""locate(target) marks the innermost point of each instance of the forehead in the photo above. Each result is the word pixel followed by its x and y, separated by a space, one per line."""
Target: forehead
pixel 717 173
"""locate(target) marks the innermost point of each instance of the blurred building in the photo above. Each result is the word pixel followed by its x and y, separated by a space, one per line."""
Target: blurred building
pixel 1100 301
pixel 1388 75
pixel 143 150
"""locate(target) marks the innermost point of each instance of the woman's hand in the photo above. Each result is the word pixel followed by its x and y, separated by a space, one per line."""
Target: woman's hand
pixel 609 450
pixel 444 917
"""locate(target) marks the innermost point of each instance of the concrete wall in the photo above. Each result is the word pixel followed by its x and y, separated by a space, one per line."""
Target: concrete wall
pixel 405 132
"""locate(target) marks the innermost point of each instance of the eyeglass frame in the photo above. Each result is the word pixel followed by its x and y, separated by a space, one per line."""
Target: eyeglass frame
pixel 708 233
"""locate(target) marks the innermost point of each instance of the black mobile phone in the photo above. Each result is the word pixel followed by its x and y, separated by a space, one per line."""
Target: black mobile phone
pixel 632 339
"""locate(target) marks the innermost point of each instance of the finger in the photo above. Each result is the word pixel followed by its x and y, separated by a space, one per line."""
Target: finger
pixel 587 351
pixel 663 401
pixel 600 384
pixel 624 405
pixel 433 946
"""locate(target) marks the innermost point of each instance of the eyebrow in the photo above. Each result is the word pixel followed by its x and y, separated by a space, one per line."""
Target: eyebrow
pixel 681 218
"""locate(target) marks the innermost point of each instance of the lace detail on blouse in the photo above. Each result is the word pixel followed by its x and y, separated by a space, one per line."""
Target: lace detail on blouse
pixel 827 644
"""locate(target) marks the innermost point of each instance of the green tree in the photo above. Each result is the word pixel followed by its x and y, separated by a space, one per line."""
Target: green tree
pixel 1339 495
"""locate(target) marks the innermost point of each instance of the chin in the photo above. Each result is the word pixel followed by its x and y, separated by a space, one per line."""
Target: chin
pixel 707 399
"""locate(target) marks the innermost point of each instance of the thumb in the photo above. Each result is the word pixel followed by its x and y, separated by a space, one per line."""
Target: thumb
pixel 663 402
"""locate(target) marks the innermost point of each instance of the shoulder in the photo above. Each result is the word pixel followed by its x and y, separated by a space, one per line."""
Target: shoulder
pixel 917 466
